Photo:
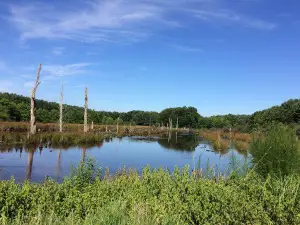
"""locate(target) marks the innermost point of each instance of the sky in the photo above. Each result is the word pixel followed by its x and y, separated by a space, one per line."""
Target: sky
pixel 220 56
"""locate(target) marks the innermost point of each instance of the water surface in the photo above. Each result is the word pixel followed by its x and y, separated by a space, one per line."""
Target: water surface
pixel 132 152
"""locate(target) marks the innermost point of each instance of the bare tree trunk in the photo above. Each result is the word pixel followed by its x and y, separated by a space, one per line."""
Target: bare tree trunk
pixel 33 106
pixel 85 111
pixel 177 124
pixel 61 109
pixel 92 126
pixel 170 123
pixel 118 125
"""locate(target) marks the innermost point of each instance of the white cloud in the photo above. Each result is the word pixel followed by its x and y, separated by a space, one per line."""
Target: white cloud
pixel 118 20
pixel 187 48
pixel 99 20
pixel 53 72
pixel 232 17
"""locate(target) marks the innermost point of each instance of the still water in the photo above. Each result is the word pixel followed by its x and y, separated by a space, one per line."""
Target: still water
pixel 132 152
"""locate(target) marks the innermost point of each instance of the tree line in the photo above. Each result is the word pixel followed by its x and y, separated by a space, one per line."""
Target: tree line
pixel 17 108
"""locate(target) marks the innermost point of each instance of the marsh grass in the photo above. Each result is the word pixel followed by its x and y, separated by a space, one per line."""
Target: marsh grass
pixel 241 146
pixel 221 145
pixel 277 152
pixel 54 139
pixel 242 137
pixel 213 135
pixel 156 197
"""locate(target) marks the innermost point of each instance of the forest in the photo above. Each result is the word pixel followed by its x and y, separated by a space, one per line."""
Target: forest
pixel 17 108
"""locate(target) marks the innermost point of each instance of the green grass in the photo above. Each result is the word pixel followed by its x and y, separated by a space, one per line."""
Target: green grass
pixel 156 197
pixel 277 152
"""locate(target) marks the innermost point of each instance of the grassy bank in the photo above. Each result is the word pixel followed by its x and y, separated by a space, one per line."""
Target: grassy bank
pixel 159 197
pixel 121 130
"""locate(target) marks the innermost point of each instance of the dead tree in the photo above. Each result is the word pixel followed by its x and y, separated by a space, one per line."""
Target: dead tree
pixel 170 123
pixel 85 111
pixel 118 125
pixel 61 109
pixel 177 124
pixel 33 106
pixel 92 125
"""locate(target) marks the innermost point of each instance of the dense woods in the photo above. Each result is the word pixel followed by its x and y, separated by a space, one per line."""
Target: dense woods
pixel 17 108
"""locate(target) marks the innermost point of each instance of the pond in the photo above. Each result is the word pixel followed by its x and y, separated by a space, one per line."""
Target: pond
pixel 131 152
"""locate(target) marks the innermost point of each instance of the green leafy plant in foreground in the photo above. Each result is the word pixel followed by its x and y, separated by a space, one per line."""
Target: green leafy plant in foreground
pixel 156 197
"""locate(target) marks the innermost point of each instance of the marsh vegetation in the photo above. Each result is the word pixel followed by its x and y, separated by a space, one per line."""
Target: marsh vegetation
pixel 260 187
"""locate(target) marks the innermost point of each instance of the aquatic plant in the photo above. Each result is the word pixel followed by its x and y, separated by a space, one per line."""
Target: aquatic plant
pixel 220 145
pixel 241 145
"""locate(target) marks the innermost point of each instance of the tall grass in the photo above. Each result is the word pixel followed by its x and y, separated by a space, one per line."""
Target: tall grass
pixel 156 197
pixel 241 146
pixel 277 152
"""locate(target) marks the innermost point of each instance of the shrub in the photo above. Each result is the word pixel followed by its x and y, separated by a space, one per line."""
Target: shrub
pixel 158 197
pixel 277 152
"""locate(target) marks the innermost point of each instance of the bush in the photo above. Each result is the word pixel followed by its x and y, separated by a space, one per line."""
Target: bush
pixel 277 152
pixel 157 197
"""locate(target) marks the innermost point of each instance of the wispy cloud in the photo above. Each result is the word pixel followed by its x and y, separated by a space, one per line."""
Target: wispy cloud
pixel 232 17
pixel 119 20
pixel 53 72
pixel 186 48
pixel 57 51
pixel 96 21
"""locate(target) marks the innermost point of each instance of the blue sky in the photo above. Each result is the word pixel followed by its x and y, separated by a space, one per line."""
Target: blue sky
pixel 220 56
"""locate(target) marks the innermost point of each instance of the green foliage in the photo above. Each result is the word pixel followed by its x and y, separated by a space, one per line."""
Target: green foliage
pixel 277 152
pixel 288 113
pixel 16 108
pixel 107 120
pixel 157 197
pixel 86 172
pixel 187 117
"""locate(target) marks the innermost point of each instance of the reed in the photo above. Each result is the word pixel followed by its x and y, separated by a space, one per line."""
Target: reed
pixel 209 135
pixel 242 137
pixel 241 145
pixel 220 145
